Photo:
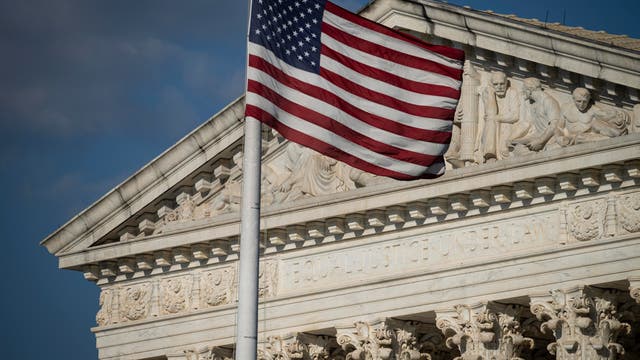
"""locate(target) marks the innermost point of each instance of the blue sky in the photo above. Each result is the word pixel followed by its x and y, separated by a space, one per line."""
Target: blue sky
pixel 90 91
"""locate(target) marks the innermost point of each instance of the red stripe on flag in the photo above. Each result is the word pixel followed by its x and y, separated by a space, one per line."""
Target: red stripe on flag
pixel 451 53
pixel 340 129
pixel 393 79
pixel 326 149
pixel 386 100
pixel 330 98
pixel 390 54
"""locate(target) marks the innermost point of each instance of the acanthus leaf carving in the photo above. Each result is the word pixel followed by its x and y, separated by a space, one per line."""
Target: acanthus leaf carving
pixel 484 331
pixel 584 322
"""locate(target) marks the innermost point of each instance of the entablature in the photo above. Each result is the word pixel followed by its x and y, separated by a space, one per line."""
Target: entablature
pixel 499 187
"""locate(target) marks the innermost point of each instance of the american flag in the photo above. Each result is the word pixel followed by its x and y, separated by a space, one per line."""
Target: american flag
pixel 354 90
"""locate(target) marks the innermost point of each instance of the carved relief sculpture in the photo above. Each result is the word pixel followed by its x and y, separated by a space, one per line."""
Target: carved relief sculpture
pixel 176 294
pixel 217 287
pixel 629 212
pixel 583 121
pixel 502 110
pixel 267 279
pixel 539 120
pixel 134 301
pixel 464 139
pixel 103 317
pixel 586 220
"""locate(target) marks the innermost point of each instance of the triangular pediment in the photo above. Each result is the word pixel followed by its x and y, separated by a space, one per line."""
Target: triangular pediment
pixel 190 193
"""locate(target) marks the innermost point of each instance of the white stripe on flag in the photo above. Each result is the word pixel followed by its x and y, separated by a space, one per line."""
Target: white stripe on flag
pixel 336 114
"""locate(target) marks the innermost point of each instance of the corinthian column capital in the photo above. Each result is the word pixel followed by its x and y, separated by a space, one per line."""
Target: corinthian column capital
pixel 583 320
pixel 484 330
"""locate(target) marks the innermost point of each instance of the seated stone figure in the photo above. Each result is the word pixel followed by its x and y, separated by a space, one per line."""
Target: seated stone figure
pixel 541 116
pixel 583 121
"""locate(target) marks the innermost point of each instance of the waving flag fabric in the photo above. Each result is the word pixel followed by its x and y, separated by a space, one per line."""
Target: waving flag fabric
pixel 376 99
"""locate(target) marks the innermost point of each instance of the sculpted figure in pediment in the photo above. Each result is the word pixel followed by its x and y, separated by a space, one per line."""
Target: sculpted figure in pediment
pixel 501 111
pixel 305 173
pixel 540 118
pixel 584 121
pixel 465 140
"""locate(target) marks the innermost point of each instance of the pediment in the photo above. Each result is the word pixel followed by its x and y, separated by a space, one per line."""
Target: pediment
pixel 191 193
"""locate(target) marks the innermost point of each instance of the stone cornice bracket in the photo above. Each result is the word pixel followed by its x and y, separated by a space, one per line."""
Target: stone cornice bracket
pixel 583 320
pixel 484 331
pixel 382 340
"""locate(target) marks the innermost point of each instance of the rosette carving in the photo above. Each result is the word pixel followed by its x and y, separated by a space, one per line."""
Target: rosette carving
pixel 584 322
pixel 135 301
pixel 586 220
pixel 629 212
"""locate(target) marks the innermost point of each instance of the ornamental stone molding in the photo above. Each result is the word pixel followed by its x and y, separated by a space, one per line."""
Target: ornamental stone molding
pixel 484 331
pixel 382 340
pixel 584 321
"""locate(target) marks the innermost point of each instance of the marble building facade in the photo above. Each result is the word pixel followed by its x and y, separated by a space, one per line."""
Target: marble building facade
pixel 527 248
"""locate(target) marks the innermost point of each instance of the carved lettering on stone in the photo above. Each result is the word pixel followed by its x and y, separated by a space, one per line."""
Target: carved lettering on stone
pixel 134 301
pixel 468 243
pixel 484 331
pixel 217 287
pixel 584 321
pixel 629 212
pixel 586 220
pixel 176 294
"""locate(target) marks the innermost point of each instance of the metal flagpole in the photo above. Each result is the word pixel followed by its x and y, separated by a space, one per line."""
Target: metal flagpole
pixel 247 330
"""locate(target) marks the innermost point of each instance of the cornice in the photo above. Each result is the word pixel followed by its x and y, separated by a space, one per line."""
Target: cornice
pixel 510 37
pixel 159 175
pixel 540 178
